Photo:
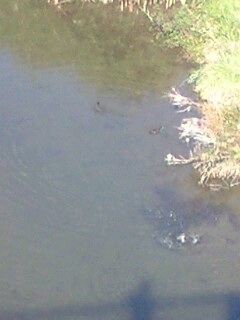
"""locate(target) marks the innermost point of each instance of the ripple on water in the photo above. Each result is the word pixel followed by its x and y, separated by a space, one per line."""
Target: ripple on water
pixel 189 225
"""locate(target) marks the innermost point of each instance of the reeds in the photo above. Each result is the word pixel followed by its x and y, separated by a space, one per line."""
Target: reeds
pixel 130 5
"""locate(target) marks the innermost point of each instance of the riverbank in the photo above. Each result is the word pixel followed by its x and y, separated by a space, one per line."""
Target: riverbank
pixel 207 32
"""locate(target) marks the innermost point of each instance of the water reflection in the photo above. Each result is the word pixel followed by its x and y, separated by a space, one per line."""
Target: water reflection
pixel 141 304
pixel 105 48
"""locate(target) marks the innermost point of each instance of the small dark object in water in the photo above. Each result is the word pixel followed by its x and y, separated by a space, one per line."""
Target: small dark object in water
pixel 99 108
pixel 156 131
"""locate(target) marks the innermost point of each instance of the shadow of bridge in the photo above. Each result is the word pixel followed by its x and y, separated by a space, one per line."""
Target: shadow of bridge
pixel 139 305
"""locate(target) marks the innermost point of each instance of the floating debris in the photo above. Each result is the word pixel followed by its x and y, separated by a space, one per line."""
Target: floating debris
pixel 182 238
pixel 156 131
pixel 173 230
pixel 175 241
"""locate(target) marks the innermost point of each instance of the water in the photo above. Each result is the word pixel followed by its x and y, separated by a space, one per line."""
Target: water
pixel 78 169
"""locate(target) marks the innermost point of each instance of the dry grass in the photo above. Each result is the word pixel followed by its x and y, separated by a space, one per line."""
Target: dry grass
pixel 215 143
pixel 213 118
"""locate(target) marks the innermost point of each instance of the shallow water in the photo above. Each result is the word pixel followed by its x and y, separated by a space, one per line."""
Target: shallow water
pixel 78 168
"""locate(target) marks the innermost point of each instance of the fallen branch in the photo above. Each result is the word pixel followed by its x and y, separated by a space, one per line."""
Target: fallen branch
pixel 182 102
pixel 172 160
pixel 194 129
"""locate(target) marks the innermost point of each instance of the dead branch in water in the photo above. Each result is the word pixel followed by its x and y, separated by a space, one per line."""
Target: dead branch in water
pixel 172 160
pixel 217 166
pixel 182 102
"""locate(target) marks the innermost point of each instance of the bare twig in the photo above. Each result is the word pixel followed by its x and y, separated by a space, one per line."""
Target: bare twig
pixel 182 102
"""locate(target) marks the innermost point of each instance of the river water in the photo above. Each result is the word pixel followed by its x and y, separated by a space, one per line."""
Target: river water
pixel 79 169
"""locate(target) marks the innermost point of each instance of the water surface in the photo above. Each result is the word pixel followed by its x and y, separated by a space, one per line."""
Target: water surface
pixel 78 168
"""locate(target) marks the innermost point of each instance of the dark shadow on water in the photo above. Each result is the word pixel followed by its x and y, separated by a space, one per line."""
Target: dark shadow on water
pixel 233 307
pixel 142 304
pixel 139 305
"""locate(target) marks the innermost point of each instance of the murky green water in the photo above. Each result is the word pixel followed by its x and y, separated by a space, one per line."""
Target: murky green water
pixel 78 168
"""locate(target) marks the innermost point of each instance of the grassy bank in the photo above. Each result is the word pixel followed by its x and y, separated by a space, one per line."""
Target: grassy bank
pixel 208 31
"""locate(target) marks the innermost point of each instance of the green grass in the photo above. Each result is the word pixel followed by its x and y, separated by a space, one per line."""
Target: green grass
pixel 208 31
